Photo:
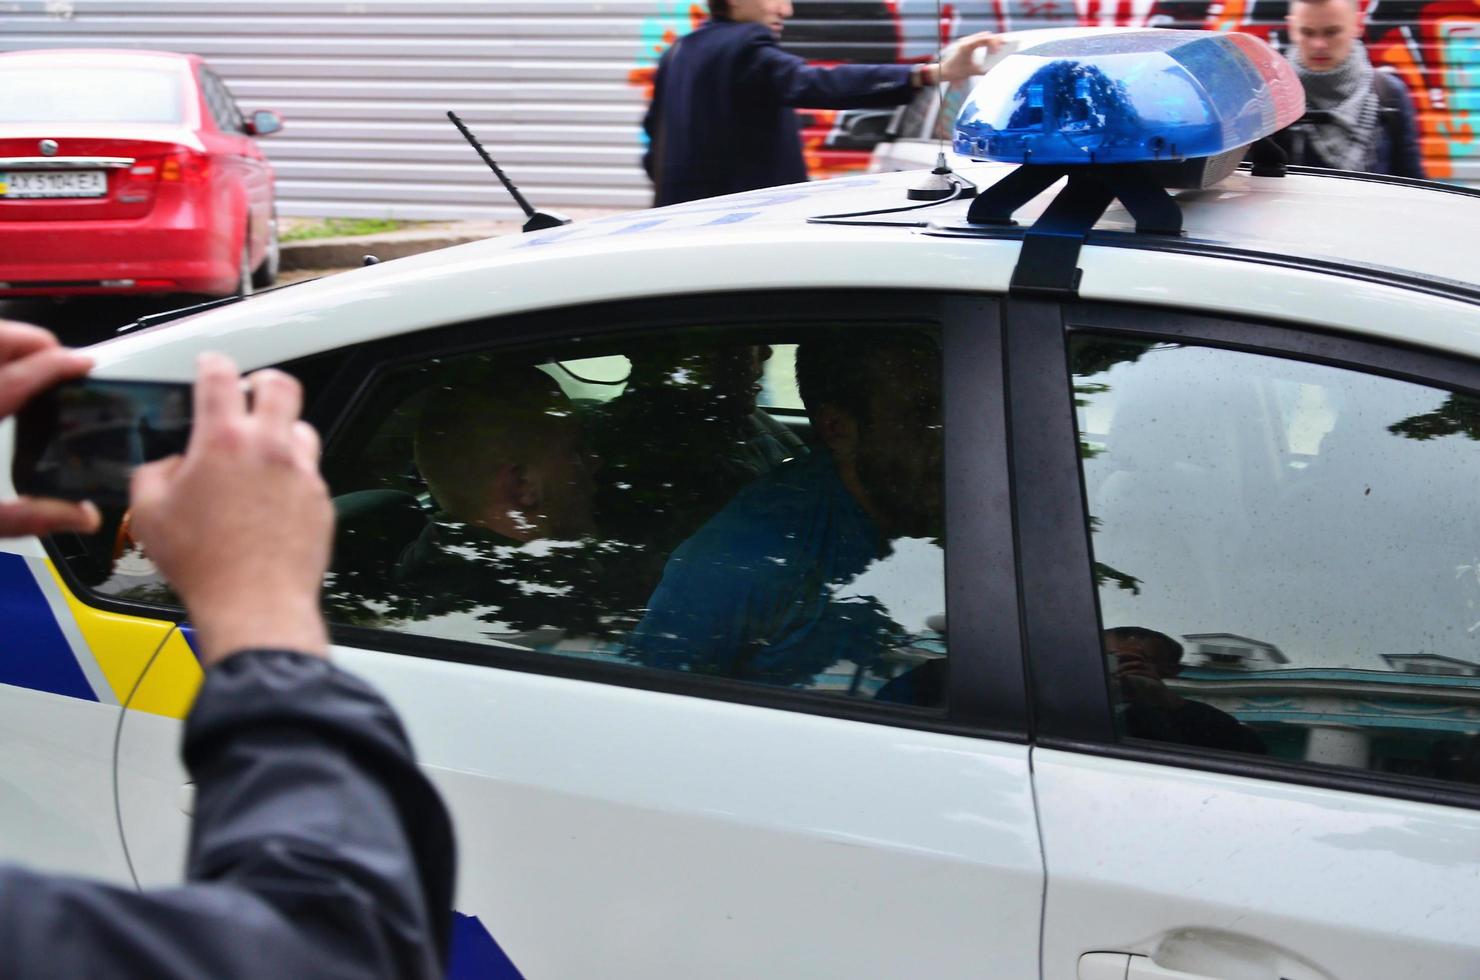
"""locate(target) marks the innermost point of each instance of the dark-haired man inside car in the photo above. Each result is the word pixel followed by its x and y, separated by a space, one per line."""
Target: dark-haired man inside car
pixel 770 588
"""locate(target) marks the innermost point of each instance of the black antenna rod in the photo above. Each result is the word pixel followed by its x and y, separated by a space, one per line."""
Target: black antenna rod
pixel 538 220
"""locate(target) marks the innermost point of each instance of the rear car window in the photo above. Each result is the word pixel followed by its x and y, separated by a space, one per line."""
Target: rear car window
pixel 69 93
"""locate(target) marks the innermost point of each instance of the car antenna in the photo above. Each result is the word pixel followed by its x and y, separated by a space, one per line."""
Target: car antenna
pixel 942 182
pixel 537 220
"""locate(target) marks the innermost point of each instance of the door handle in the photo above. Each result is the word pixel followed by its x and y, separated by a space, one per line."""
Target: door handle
pixel 1141 968
pixel 186 799
pixel 1124 966
pixel 1104 966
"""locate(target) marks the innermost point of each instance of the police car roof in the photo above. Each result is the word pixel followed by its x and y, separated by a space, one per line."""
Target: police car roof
pixel 1384 239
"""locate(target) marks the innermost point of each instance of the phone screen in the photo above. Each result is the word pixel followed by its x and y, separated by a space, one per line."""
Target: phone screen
pixel 83 439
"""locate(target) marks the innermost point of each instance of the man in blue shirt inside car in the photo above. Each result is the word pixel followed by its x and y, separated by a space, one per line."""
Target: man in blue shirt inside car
pixel 766 590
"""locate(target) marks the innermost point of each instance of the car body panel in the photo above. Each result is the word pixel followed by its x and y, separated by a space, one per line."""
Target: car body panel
pixel 68 668
pixel 56 796
pixel 1232 877
pixel 597 836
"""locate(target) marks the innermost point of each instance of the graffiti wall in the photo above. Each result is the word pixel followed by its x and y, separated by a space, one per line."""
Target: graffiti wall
pixel 1434 46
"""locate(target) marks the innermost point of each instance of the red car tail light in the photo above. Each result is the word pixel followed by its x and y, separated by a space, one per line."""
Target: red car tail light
pixel 185 166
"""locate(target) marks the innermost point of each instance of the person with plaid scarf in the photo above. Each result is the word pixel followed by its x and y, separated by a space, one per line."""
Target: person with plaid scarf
pixel 1360 118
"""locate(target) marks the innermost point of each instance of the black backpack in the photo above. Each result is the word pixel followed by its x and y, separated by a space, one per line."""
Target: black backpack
pixel 1390 97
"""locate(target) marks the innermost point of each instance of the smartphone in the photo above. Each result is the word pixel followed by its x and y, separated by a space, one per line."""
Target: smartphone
pixel 83 439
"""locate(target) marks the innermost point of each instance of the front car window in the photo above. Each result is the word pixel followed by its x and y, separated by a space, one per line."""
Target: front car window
pixel 674 503
pixel 1287 556
pixel 68 93
pixel 761 506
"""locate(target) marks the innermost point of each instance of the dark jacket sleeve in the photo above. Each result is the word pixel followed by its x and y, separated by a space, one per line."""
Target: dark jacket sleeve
pixel 769 73
pixel 1407 159
pixel 652 122
pixel 318 848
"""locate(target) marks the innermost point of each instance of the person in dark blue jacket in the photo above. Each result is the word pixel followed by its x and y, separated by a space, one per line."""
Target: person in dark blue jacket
pixel 722 118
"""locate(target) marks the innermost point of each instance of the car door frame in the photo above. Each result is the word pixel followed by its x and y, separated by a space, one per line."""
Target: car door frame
pixel 1061 616
pixel 986 695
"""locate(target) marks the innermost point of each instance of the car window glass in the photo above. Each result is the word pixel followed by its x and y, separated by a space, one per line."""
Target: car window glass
pixel 54 95
pixel 643 506
pixel 111 564
pixel 1287 556
pixel 213 100
pixel 219 100
pixel 954 96
pixel 914 122
pixel 234 121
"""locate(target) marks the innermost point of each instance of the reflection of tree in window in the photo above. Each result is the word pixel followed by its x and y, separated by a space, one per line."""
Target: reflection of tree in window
pixel 1088 357
pixel 1459 415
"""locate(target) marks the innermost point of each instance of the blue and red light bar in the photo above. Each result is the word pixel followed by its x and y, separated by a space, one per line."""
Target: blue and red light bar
pixel 1129 97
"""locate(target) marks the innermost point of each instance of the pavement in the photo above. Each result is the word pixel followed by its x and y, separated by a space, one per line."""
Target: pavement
pixel 320 254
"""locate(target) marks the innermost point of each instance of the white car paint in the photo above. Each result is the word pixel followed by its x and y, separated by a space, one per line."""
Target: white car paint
pixel 605 831
pixel 56 785
pixel 1223 876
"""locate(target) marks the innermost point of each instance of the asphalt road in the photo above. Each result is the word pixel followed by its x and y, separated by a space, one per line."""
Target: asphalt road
pixel 86 320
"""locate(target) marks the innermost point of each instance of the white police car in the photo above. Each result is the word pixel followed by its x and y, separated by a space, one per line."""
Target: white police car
pixel 1109 608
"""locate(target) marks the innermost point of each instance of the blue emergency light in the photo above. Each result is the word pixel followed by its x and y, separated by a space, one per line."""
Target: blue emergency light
pixel 1150 96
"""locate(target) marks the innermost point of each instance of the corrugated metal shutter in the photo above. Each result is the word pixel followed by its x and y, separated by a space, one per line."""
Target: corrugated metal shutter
pixel 364 87
pixel 556 88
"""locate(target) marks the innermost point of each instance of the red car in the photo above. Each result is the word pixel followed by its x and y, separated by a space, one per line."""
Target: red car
pixel 130 172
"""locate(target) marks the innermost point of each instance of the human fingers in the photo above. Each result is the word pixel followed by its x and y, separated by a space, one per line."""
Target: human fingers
pixel 22 379
pixel 42 515
pixel 306 443
pixel 277 398
pixel 218 396
pixel 19 339
pixel 147 488
pixel 983 39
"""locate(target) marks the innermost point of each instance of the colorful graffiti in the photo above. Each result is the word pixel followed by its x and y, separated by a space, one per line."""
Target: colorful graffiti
pixel 1434 45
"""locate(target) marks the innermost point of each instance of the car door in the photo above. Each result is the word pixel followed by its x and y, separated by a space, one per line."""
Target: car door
pixel 256 170
pixel 243 193
pixel 1265 766
pixel 622 815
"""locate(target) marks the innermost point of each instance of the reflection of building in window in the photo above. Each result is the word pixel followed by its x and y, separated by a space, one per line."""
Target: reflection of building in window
pixel 1406 723
pixel 1229 651
pixel 1431 663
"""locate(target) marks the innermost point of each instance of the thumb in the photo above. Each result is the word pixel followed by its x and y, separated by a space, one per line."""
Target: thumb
pixel 151 483
pixel 39 515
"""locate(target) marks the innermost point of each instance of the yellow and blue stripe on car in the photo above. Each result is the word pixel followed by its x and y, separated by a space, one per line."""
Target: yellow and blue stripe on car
pixel 60 645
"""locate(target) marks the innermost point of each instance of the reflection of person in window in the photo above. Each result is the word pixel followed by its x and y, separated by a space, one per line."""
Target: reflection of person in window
pixel 677 444
pixel 506 464
pixel 1144 659
pixel 763 590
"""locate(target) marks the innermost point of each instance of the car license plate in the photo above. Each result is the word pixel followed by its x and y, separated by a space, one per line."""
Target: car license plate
pixel 53 183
